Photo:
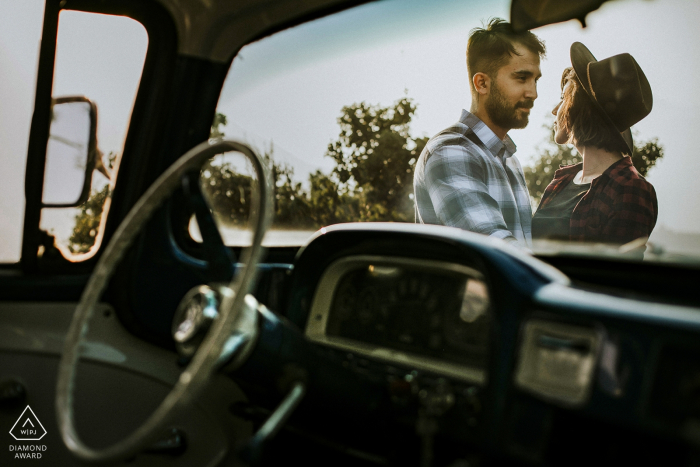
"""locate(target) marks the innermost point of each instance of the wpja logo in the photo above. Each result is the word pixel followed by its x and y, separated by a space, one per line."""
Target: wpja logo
pixel 28 428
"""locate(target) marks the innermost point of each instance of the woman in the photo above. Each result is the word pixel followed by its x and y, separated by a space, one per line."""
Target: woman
pixel 604 198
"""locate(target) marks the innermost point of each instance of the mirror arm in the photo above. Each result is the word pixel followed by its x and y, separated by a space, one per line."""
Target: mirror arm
pixel 93 154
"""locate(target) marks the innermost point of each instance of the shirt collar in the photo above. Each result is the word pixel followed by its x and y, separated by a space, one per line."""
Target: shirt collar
pixel 617 167
pixel 612 171
pixel 568 170
pixel 498 147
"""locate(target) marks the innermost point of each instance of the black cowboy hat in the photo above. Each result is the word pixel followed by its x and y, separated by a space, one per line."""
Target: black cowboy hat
pixel 617 86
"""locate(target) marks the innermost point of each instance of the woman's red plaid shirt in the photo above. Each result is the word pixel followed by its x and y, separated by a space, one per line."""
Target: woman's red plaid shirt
pixel 619 207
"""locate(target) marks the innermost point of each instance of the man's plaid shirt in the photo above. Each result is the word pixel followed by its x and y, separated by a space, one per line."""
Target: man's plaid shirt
pixel 619 207
pixel 467 177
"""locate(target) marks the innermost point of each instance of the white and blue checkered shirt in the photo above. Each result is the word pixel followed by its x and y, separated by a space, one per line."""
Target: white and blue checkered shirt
pixel 467 177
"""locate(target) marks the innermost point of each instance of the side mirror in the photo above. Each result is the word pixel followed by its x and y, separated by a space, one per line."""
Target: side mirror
pixel 71 153
pixel 530 14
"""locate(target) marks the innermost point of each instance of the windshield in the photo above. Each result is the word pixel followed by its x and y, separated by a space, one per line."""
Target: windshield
pixel 344 106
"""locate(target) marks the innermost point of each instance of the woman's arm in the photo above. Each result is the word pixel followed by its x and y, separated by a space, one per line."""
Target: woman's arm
pixel 634 213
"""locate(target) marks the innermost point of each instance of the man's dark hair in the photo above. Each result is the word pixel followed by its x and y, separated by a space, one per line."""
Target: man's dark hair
pixel 490 48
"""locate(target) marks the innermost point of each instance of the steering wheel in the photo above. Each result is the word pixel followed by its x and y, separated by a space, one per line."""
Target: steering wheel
pixel 217 343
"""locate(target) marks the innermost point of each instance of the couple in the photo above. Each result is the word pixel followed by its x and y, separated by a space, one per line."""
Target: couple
pixel 466 176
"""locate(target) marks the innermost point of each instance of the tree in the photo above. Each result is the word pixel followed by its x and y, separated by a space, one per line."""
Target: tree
pixel 229 190
pixel 372 179
pixel 292 207
pixel 87 221
pixel 646 155
pixel 541 172
pixel 219 121
pixel 375 156
pixel 329 203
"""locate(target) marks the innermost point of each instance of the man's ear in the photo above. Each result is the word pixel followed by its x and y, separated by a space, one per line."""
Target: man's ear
pixel 482 83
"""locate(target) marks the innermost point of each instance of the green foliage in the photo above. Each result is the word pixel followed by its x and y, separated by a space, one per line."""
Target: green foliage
pixel 541 172
pixel 375 156
pixel 228 192
pixel 291 205
pixel 646 155
pixel 372 180
pixel 87 222
pixel 328 203
pixel 219 121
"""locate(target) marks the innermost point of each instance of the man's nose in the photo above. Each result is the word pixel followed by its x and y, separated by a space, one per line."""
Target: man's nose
pixel 531 92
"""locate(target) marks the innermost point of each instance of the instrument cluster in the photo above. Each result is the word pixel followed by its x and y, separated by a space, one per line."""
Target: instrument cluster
pixel 427 315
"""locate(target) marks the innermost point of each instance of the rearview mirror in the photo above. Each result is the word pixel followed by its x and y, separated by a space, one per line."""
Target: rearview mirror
pixel 71 152
pixel 530 14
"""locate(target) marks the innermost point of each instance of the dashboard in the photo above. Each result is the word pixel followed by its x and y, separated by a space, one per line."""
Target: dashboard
pixel 494 348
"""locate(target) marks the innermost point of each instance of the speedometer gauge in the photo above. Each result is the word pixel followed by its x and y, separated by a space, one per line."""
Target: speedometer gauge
pixel 427 314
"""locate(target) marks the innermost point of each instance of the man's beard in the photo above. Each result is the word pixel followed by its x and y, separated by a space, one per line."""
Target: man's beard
pixel 505 115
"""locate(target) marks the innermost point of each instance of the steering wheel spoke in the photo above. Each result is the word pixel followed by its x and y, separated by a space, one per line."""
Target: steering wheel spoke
pixel 220 259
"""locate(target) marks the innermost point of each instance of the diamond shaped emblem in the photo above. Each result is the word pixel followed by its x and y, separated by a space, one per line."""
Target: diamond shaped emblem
pixel 28 427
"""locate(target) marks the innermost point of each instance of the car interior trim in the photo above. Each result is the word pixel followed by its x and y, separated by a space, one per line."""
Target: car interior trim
pixel 40 328
pixel 587 302
pixel 216 29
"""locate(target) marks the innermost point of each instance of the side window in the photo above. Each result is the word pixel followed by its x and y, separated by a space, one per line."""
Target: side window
pixel 100 57
pixel 20 35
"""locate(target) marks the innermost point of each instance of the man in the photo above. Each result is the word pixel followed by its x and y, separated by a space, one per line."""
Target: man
pixel 467 175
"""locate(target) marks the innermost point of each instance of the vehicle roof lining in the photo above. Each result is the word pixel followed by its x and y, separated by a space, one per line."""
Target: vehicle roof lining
pixel 216 29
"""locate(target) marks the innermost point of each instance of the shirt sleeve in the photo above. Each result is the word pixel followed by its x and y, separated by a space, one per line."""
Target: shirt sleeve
pixel 457 183
pixel 634 213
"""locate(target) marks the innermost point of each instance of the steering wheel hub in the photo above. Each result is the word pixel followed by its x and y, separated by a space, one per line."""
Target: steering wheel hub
pixel 195 314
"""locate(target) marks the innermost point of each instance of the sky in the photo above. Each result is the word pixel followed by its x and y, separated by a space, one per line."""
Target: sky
pixel 288 89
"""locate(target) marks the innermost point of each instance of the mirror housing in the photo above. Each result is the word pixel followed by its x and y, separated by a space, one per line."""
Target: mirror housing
pixel 530 14
pixel 71 152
